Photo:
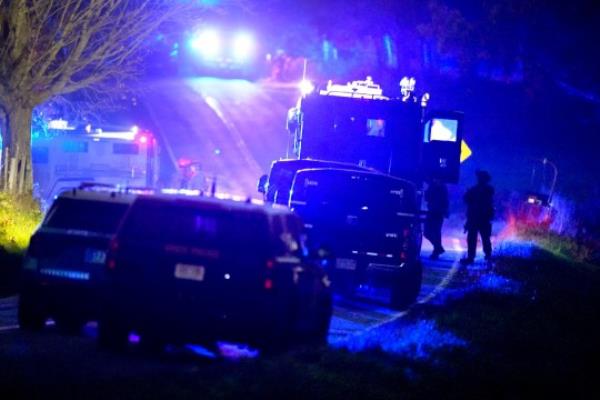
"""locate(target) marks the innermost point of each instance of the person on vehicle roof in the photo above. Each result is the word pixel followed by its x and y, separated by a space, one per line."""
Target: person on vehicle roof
pixel 436 197
pixel 480 211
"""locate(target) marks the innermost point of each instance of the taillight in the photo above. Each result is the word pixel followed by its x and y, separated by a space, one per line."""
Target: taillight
pixel 268 284
pixel 406 239
pixel 113 246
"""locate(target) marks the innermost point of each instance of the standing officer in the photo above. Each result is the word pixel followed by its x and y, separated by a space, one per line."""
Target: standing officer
pixel 436 197
pixel 480 211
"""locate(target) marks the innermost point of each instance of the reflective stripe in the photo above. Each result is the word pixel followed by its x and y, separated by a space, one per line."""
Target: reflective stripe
pixel 65 273
pixel 385 267
pixel 401 214
pixel 288 260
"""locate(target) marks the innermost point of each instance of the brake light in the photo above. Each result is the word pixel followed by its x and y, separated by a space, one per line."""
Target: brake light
pixel 113 246
pixel 268 284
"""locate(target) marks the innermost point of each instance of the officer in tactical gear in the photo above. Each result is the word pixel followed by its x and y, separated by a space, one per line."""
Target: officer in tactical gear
pixel 436 197
pixel 480 211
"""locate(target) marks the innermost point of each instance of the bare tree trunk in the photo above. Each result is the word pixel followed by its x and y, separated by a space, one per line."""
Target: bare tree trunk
pixel 16 163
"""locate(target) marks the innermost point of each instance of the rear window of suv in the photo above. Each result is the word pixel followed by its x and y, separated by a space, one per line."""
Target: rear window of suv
pixel 193 225
pixel 352 190
pixel 85 215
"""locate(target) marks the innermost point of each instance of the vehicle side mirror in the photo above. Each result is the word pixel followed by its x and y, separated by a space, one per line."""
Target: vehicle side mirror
pixel 262 184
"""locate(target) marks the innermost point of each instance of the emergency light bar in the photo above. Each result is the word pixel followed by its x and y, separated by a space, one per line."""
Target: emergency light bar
pixel 366 89
pixel 60 124
pixel 125 135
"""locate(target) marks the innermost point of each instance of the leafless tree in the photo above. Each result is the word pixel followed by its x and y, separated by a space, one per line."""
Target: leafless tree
pixel 55 47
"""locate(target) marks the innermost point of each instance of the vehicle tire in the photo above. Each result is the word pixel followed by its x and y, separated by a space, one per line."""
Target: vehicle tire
pixel 323 311
pixel 151 343
pixel 69 324
pixel 406 287
pixel 281 337
pixel 112 334
pixel 315 306
pixel 31 313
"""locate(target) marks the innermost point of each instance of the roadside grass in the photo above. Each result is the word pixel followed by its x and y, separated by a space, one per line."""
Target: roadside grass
pixel 531 327
pixel 583 250
pixel 19 216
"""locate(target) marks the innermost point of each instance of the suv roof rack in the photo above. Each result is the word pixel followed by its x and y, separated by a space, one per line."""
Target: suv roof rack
pixel 104 187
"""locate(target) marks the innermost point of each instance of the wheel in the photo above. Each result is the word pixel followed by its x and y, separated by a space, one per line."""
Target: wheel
pixel 315 306
pixel 407 286
pixel 281 336
pixel 69 324
pixel 323 310
pixel 31 313
pixel 152 343
pixel 112 334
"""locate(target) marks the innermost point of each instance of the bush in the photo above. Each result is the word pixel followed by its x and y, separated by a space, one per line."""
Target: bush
pixel 19 217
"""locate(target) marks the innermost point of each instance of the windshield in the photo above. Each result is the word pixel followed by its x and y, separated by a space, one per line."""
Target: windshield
pixel 188 224
pixel 352 191
pixel 86 215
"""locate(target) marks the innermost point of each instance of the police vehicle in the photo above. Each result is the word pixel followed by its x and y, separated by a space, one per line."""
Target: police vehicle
pixel 69 156
pixel 64 266
pixel 204 269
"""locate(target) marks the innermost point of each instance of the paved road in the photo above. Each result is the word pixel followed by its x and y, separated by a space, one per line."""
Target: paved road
pixel 233 128
pixel 351 316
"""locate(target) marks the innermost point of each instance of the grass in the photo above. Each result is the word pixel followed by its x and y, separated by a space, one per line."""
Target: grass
pixel 530 325
pixel 584 250
pixel 19 217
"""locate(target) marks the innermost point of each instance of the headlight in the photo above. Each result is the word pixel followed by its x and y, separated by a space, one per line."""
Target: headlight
pixel 207 43
pixel 243 46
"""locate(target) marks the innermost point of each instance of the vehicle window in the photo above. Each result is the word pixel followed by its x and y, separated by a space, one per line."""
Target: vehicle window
pixel 280 183
pixel 126 148
pixel 193 226
pixel 74 146
pixel 86 215
pixel 343 192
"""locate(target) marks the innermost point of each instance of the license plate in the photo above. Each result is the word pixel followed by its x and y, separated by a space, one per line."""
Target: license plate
pixel 93 256
pixel 345 263
pixel 190 272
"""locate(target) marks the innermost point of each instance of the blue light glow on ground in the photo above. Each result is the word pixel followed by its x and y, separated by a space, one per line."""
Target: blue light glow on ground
pixel 416 340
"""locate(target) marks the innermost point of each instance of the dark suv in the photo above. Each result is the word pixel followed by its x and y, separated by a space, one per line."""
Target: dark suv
pixel 64 264
pixel 198 270
pixel 276 186
pixel 369 225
